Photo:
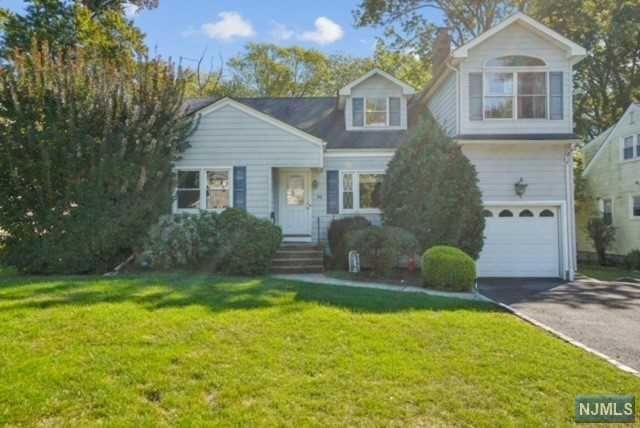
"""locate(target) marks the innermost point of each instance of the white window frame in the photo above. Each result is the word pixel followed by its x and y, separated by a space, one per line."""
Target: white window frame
pixel 514 72
pixel 631 216
pixel 601 207
pixel 635 143
pixel 388 115
pixel 356 192
pixel 203 188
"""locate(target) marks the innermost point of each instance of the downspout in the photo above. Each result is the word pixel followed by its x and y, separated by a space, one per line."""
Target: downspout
pixel 458 92
pixel 571 222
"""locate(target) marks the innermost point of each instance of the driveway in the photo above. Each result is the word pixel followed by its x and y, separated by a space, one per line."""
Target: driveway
pixel 605 316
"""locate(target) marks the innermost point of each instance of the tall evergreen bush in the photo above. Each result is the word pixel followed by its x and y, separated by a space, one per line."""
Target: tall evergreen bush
pixel 431 189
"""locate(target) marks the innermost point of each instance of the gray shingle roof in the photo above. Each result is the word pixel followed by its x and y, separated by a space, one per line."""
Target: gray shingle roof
pixel 320 117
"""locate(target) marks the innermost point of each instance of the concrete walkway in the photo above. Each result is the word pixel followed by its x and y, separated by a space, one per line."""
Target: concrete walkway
pixel 318 278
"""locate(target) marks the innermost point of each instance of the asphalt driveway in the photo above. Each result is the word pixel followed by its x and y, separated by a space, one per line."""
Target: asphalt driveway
pixel 603 315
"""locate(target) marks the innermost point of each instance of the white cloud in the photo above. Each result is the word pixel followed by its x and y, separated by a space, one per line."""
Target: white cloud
pixel 229 26
pixel 280 31
pixel 326 32
pixel 130 10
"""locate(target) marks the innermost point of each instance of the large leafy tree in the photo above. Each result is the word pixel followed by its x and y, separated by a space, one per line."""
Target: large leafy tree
pixel 271 70
pixel 608 80
pixel 99 26
pixel 410 24
pixel 86 148
pixel 431 189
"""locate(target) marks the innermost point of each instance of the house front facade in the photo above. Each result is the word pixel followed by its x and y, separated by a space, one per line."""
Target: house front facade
pixel 506 97
pixel 612 171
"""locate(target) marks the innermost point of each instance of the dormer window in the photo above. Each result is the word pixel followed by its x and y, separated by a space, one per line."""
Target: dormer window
pixel 376 112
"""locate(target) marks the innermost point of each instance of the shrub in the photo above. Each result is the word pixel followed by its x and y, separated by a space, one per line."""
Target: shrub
pixel 602 235
pixel 632 260
pixel 339 233
pixel 431 189
pixel 448 268
pixel 233 242
pixel 381 247
pixel 248 243
pixel 182 240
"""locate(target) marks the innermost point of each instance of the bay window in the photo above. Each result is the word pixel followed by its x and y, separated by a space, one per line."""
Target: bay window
pixel 203 189
pixel 361 191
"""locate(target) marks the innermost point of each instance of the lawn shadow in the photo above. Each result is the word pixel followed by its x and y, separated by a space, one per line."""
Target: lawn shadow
pixel 216 293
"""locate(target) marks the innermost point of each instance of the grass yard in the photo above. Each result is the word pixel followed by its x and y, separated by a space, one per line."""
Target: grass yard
pixel 197 350
pixel 607 273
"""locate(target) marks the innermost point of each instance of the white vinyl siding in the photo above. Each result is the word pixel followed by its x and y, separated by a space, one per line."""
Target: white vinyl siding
pixel 443 106
pixel 232 137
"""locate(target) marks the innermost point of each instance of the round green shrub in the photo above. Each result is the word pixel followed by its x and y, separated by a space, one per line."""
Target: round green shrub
pixel 233 242
pixel 339 234
pixel 381 247
pixel 448 268
pixel 248 244
pixel 182 241
pixel 632 260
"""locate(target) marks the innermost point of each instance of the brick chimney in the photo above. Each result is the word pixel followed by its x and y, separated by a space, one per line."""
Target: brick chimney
pixel 441 48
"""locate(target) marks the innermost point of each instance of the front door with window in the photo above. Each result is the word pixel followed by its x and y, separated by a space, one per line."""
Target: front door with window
pixel 295 205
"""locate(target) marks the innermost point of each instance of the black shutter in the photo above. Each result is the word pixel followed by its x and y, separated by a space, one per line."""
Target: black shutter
pixel 475 96
pixel 240 187
pixel 333 192
pixel 557 95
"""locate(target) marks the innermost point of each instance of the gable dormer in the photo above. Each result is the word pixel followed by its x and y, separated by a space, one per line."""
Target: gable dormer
pixel 515 78
pixel 376 101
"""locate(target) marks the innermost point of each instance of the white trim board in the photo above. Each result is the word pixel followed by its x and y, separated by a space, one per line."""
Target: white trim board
pixel 261 116
pixel 349 153
pixel 406 89
pixel 575 51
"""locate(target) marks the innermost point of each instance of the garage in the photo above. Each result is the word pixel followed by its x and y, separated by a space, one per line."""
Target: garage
pixel 520 242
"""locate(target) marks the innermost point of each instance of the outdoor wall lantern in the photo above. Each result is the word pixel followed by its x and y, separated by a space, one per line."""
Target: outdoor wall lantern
pixel 521 187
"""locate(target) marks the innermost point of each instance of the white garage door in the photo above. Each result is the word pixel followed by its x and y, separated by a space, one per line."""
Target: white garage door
pixel 520 242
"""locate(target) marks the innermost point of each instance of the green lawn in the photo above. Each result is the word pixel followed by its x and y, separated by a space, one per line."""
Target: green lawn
pixel 607 273
pixel 197 350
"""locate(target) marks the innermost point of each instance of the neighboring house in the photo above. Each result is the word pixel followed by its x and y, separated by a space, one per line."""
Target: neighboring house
pixel 612 171
pixel 506 97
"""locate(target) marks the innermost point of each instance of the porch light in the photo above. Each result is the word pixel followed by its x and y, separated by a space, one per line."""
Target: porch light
pixel 521 187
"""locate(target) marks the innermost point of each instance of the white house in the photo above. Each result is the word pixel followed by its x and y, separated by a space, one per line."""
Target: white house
pixel 506 97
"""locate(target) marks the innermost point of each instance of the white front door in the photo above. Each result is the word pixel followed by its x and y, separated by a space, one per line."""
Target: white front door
pixel 295 205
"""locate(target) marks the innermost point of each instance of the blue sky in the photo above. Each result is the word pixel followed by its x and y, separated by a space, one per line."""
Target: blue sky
pixel 224 26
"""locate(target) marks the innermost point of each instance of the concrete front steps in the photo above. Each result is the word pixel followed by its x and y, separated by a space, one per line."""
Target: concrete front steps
pixel 298 258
